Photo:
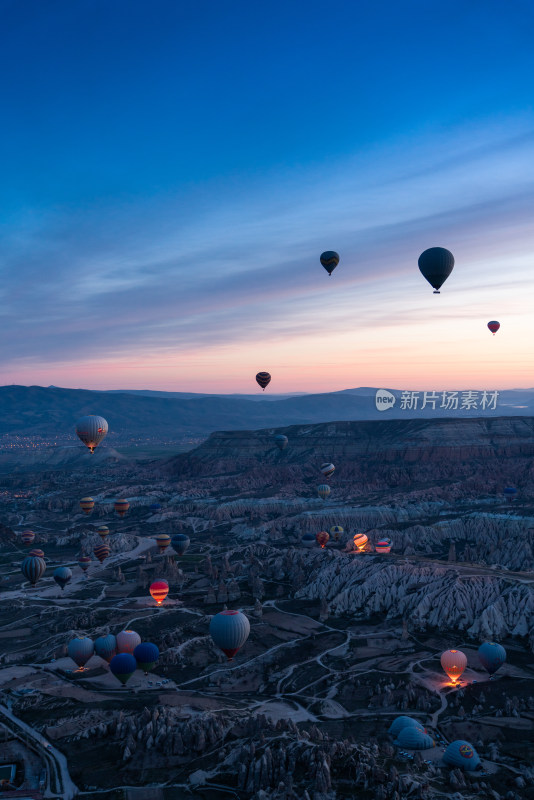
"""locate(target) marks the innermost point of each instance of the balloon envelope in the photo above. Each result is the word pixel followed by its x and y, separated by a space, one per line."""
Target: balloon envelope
pixel 494 326
pixel 263 379
pixel 461 754
pixel 102 551
pixel 84 562
pixel 180 543
pixel 414 738
pixel 436 264
pixel 492 656
pixel 159 591
pixel 360 540
pixel 453 662
pixel 81 650
pixel 37 552
pixel 155 507
pixel 323 491
pixel 401 722
pixel 62 576
pixel 121 507
pixel 229 630
pixel 91 430
pixel 383 546
pixel 123 667
pixel 127 641
pixel 87 504
pixel 163 540
pixel 27 537
pixel 146 654
pixel 336 531
pixel 322 538
pixel 281 441
pixel 308 540
pixel 103 531
pixel 106 647
pixel 329 259
pixel 327 469
pixel 33 568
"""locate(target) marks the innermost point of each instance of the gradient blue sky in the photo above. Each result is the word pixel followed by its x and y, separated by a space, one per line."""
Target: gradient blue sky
pixel 172 170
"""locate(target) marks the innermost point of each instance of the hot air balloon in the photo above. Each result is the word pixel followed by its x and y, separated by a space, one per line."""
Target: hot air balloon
pixel 323 491
pixel 383 546
pixel 159 591
pixel 308 540
pixel 87 504
pixel 263 379
pixel 436 264
pixel 33 568
pixel 327 469
pixel 453 662
pixel 163 540
pixel 414 738
pixel 106 647
pixel 127 641
pixel 155 507
pixel 281 441
pixel 91 430
pixel 336 531
pixel 492 656
pixel 146 654
pixel 180 543
pixel 229 631
pixel 103 531
pixel 62 576
pixel 401 722
pixel 494 326
pixel 461 754
pixel 37 552
pixel 121 507
pixel 510 493
pixel 123 667
pixel 84 562
pixel 322 538
pixel 102 551
pixel 360 541
pixel 27 537
pixel 81 650
pixel 329 259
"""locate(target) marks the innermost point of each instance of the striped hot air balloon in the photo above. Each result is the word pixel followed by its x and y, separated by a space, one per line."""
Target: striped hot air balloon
pixel 180 543
pixel 62 576
pixel 329 260
pixel 383 546
pixel 494 326
pixel 123 667
pixel 453 662
pixel 84 562
pixel 336 531
pixel 159 591
pixel 127 641
pixel 87 504
pixel 163 540
pixel 121 507
pixel 37 552
pixel 33 568
pixel 27 537
pixel 322 538
pixel 327 469
pixel 106 647
pixel 263 379
pixel 229 631
pixel 146 654
pixel 91 430
pixel 323 491
pixel 360 540
pixel 81 650
pixel 102 551
pixel 103 531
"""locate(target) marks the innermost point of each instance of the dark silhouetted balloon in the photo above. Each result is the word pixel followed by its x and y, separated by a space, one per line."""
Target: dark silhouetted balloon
pixel 62 576
pixel 494 326
pixel 155 507
pixel 329 260
pixel 229 631
pixel 308 540
pixel 281 441
pixel 106 647
pixel 81 650
pixel 146 654
pixel 33 568
pixel 263 379
pixel 492 656
pixel 180 543
pixel 436 264
pixel 123 667
pixel 401 722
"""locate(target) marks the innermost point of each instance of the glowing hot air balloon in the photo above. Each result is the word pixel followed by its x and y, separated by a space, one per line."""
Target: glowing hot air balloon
pixel 229 631
pixel 91 430
pixel 127 641
pixel 163 540
pixel 494 326
pixel 329 259
pixel 360 541
pixel 263 379
pixel 87 504
pixel 159 591
pixel 62 576
pixel 281 441
pixel 123 667
pixel 492 656
pixel 81 650
pixel 322 538
pixel 102 551
pixel 121 507
pixel 323 491
pixel 383 546
pixel 327 469
pixel 33 568
pixel 103 531
pixel 27 537
pixel 436 264
pixel 453 662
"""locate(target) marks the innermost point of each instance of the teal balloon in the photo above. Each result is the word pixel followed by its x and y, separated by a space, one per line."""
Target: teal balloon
pixel 492 656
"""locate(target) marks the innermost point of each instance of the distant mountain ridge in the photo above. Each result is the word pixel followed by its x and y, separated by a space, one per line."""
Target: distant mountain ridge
pixel 53 411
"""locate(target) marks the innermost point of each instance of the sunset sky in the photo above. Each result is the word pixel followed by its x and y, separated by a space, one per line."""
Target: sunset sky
pixel 172 170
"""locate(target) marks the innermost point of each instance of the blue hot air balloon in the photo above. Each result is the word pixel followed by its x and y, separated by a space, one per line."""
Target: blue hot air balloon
pixel 281 441
pixel 308 540
pixel 510 492
pixel 146 654
pixel 180 543
pixel 462 754
pixel 229 630
pixel 62 576
pixel 492 656
pixel 33 568
pixel 401 722
pixel 414 738
pixel 81 650
pixel 106 647
pixel 155 507
pixel 123 667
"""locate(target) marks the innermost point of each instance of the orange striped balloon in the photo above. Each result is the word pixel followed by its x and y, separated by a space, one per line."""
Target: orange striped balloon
pixel 159 591
pixel 87 504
